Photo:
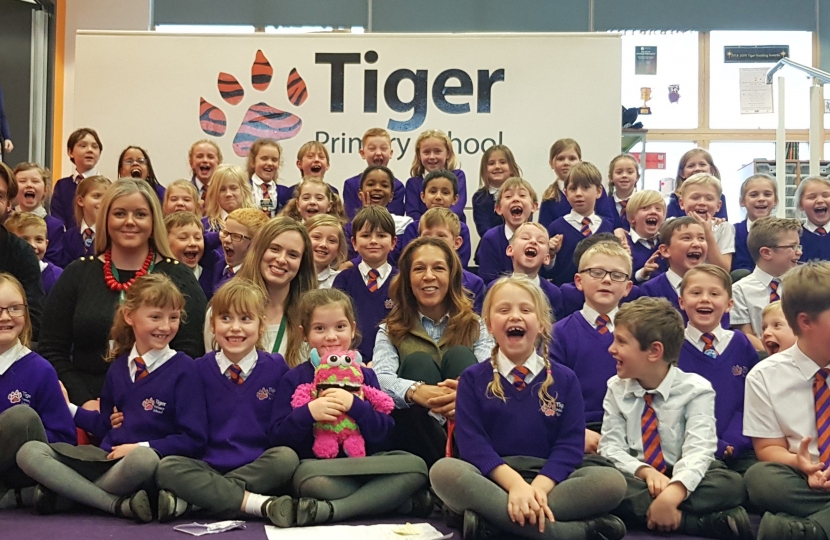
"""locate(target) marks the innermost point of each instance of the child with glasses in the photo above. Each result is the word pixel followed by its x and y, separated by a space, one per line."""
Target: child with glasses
pixel 241 226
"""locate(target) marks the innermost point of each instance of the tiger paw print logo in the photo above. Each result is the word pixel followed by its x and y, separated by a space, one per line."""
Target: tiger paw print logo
pixel 15 397
pixel 261 120
pixel 148 404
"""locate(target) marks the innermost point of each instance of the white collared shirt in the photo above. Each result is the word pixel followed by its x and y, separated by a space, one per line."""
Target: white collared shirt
pixel 810 226
pixel 536 280
pixel 15 353
pixel 674 280
pixel 84 226
pixel 325 279
pixel 91 172
pixel 751 296
pixel 257 190
pixel 591 315
pixel 247 364
pixel 235 269
pixel 43 265
pixel 721 341
pixel 533 362
pixel 685 407
pixel 385 270
pixel 725 237
pixel 40 211
pixel 508 232
pixel 153 359
pixel 199 185
pixel 779 399
pixel 575 220
pixel 401 222
pixel 641 239
pixel 749 223
pixel 197 272
pixel 618 205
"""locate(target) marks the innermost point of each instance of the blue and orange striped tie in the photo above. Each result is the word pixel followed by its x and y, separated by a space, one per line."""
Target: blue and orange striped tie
pixel 235 374
pixel 623 204
pixel 140 368
pixel 602 324
pixel 373 280
pixel 773 288
pixel 586 227
pixel 709 345
pixel 519 373
pixel 653 452
pixel 821 231
pixel 822 398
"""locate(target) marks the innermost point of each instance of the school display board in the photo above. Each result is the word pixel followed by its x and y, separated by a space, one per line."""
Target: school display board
pixel 165 91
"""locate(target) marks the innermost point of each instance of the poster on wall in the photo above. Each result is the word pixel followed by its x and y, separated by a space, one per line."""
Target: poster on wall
pixel 331 88
pixel 756 94
pixel 645 60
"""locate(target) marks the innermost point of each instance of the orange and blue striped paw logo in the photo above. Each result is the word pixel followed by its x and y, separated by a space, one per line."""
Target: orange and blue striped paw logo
pixel 261 120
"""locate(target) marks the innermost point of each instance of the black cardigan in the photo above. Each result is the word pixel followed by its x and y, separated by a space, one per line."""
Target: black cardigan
pixel 79 314
pixel 19 259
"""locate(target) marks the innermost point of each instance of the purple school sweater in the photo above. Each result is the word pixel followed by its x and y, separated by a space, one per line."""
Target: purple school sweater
pixel 293 427
pixel 564 268
pixel 411 233
pixel 32 381
pixel 573 299
pixel 62 206
pixel 54 233
pixel 239 415
pixel 552 293
pixel 73 247
pixel 166 408
pixel 580 347
pixel 640 254
pixel 415 207
pixel 352 202
pixel 484 211
pixel 551 210
pixel 50 275
pixel 660 287
pixel 815 246
pixel 488 429
pixel 218 274
pixel 492 255
pixel 371 307
pixel 727 373
pixel 742 260
pixel 674 210
pixel 476 286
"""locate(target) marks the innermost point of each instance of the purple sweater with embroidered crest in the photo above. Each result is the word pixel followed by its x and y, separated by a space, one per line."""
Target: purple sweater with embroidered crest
pixel 415 207
pixel 411 233
pixel 564 268
pixel 166 408
pixel 727 373
pixel 583 349
pixel 294 427
pixel 371 307
pixel 352 202
pixel 32 381
pixel 488 429
pixel 239 415
pixel 660 287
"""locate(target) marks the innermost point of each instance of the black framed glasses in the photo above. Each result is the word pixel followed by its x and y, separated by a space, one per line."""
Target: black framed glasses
pixel 600 273
pixel 235 237
pixel 15 311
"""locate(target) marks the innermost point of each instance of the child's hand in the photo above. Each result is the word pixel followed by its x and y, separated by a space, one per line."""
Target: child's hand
pixel 345 398
pixel 92 405
pixel 655 480
pixel 591 441
pixel 651 265
pixel 65 393
pixel 805 462
pixel 523 503
pixel 663 516
pixel 555 244
pixel 116 418
pixel 326 408
pixel 705 221
pixel 121 450
pixel 727 453
pixel 620 234
pixel 718 220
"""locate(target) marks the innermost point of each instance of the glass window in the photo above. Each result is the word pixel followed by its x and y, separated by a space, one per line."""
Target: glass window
pixel 677 64
pixel 725 100
pixel 732 159
pixel 659 179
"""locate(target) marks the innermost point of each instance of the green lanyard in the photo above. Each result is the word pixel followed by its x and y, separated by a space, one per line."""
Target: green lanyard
pixel 118 279
pixel 280 334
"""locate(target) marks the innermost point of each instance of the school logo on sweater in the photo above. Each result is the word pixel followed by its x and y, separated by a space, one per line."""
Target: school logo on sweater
pixel 739 371
pixel 265 393
pixel 153 405
pixel 15 397
pixel 261 120
pixel 554 410
pixel 388 303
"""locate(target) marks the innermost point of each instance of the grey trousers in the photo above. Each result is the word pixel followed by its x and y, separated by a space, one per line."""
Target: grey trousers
pixel 221 495
pixel 586 493
pixel 18 425
pixel 774 487
pixel 720 489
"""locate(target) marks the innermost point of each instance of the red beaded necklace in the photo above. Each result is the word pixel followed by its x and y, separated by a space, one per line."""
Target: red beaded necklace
pixel 111 273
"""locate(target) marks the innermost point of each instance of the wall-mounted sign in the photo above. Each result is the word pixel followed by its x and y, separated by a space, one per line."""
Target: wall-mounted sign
pixel 654 160
pixel 645 60
pixel 755 53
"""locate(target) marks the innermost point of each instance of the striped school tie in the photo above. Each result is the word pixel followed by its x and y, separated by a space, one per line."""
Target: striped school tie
pixel 266 192
pixel 89 237
pixel 602 324
pixel 373 280
pixel 140 368
pixel 519 373
pixel 623 204
pixel 652 450
pixel 821 231
pixel 586 227
pixel 773 288
pixel 709 345
pixel 821 394
pixel 227 273
pixel 235 374
pixel 79 178
pixel 202 192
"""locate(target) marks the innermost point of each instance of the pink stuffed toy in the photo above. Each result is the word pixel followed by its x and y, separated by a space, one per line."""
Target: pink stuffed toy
pixel 339 369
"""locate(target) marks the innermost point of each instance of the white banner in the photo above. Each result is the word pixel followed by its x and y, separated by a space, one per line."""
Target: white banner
pixel 522 90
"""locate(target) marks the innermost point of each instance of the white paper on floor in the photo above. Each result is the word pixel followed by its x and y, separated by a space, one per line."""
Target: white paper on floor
pixel 410 531
pixel 201 529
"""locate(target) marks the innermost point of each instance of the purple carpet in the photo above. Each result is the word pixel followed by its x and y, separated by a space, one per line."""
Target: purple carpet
pixel 88 526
